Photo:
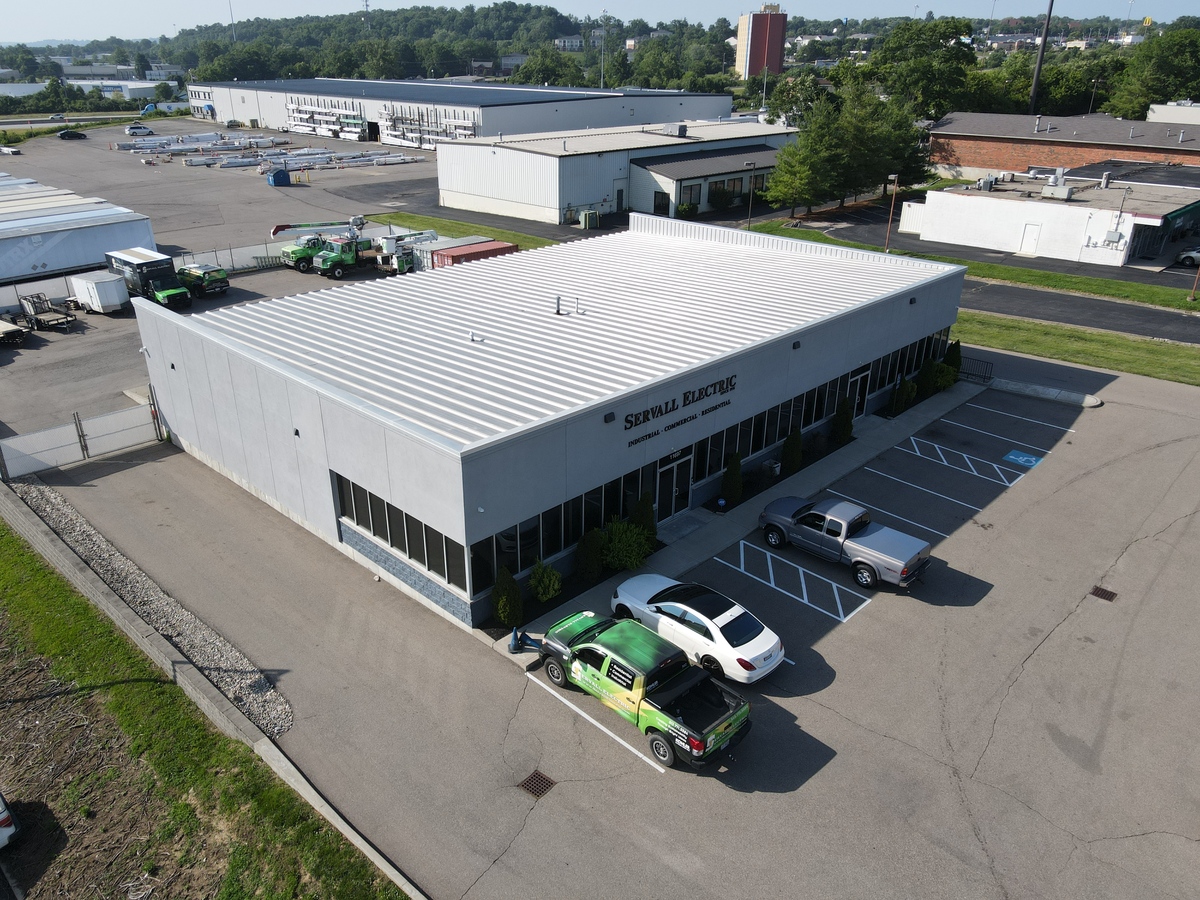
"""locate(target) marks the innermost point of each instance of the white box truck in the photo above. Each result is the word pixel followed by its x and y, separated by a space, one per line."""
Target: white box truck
pixel 102 292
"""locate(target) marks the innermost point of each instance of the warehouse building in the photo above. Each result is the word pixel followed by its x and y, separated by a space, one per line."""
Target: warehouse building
pixel 48 231
pixel 488 415
pixel 424 114
pixel 558 176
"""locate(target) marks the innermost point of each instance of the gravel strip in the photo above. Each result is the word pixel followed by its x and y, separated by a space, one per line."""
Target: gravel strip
pixel 220 662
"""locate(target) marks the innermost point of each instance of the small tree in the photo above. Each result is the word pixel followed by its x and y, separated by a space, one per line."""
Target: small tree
pixel 945 376
pixel 791 457
pixel 926 380
pixel 686 211
pixel 903 394
pixel 842 428
pixel 506 599
pixel 731 481
pixel 589 555
pixel 954 356
pixel 627 547
pixel 643 516
pixel 545 581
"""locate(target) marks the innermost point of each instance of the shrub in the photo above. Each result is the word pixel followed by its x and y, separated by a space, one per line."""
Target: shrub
pixel 643 516
pixel 506 598
pixel 842 428
pixel 954 356
pixel 926 380
pixel 731 481
pixel 945 376
pixel 791 457
pixel 903 394
pixel 686 211
pixel 627 547
pixel 720 198
pixel 545 581
pixel 589 556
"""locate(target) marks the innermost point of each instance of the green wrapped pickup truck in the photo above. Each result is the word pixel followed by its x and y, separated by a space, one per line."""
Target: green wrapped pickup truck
pixel 684 712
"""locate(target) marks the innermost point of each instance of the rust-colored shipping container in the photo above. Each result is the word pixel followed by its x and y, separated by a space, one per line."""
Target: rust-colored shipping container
pixel 452 256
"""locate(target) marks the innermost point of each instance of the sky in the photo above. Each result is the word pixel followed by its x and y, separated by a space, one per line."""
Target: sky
pixel 85 20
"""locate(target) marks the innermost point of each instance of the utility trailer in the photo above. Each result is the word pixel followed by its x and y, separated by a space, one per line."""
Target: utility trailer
pixel 42 315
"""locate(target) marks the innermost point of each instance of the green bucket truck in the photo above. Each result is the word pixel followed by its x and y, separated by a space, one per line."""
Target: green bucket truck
pixel 299 254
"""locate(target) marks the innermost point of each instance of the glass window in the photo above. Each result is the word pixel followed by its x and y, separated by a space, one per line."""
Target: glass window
pixel 819 402
pixel 630 492
pixel 379 525
pixel 716 452
pixel 593 508
pixel 572 521
pixel 362 512
pixel 506 550
pixel 892 369
pixel 843 388
pixel 416 539
pixel 483 565
pixel 649 474
pixel 435 551
pixel 773 425
pixel 530 539
pixel 876 369
pixel 744 431
pixel 612 500
pixel 552 531
pixel 345 497
pixel 759 433
pixel 690 193
pixel 700 459
pixel 395 520
pixel 736 187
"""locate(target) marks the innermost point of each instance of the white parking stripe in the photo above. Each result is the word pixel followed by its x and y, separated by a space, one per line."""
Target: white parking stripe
pixel 893 515
pixel 1000 412
pixel 1000 437
pixel 553 693
pixel 804 575
pixel 1002 473
pixel 919 488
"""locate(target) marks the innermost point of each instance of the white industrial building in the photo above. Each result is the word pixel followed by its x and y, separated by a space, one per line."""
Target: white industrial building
pixel 556 176
pixel 426 113
pixel 50 231
pixel 1106 214
pixel 488 414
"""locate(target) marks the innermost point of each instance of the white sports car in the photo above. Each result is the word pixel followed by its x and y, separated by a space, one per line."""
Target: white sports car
pixel 711 629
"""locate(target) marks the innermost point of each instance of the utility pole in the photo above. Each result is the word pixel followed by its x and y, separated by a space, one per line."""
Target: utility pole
pixel 603 43
pixel 1037 69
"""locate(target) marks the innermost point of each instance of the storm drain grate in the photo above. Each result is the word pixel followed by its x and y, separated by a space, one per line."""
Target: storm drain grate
pixel 538 784
pixel 1104 593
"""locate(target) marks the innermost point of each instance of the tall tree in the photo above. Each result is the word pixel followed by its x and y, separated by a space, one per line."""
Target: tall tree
pixel 1165 67
pixel 926 64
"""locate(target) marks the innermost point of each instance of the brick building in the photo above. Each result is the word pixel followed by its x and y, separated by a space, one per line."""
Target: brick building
pixel 974 145
pixel 760 41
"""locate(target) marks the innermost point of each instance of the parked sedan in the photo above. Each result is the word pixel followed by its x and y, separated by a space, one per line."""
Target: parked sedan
pixel 711 629
pixel 8 824
pixel 1190 258
pixel 69 135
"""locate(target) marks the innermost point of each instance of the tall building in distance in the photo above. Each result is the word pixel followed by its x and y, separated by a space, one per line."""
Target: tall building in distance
pixel 760 41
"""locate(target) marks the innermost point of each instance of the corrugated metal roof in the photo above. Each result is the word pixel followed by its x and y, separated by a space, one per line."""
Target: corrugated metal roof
pixel 28 208
pixel 602 140
pixel 470 354
pixel 451 92
pixel 711 162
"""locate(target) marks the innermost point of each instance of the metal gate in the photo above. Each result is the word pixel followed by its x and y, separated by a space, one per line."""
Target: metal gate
pixel 23 454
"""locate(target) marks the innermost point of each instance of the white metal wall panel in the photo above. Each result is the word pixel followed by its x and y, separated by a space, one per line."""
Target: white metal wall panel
pixel 46 449
pixel 281 443
pixel 603 112
pixel 230 449
pixel 247 400
pixel 312 466
pixel 912 215
pixel 498 173
pixel 200 391
pixel 119 430
pixel 500 207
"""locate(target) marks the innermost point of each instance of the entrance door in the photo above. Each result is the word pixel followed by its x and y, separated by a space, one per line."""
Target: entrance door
pixel 674 484
pixel 1029 240
pixel 858 392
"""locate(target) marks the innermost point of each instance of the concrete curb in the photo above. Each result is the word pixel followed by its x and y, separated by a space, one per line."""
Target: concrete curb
pixel 1070 398
pixel 219 710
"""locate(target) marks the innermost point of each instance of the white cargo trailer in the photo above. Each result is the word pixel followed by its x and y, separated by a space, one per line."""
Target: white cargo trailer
pixel 101 292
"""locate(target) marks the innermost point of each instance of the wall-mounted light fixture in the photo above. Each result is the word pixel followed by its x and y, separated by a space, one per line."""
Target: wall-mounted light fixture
pixel 609 418
pixel 912 301
pixel 795 345
pixel 295 432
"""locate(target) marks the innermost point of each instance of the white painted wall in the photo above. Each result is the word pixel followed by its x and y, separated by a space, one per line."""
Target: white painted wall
pixel 1064 231
pixel 1188 116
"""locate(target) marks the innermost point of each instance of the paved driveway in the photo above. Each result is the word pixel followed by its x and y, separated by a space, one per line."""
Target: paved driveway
pixel 997 732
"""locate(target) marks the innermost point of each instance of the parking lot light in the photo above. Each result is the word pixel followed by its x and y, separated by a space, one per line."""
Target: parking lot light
pixel 894 180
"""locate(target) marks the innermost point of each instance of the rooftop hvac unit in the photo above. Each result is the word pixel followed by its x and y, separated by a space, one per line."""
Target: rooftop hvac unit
pixel 1104 178
pixel 675 129
pixel 1113 237
pixel 1057 192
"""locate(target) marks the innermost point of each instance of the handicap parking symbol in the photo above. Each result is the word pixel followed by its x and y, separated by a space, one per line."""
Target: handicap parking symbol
pixel 1022 459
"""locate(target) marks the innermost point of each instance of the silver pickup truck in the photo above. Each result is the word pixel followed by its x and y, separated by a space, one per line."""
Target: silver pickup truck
pixel 843 532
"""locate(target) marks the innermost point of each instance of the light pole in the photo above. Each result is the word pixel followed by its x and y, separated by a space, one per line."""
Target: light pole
pixel 603 43
pixel 894 180
pixel 750 198
pixel 1128 14
pixel 1195 282
pixel 1091 102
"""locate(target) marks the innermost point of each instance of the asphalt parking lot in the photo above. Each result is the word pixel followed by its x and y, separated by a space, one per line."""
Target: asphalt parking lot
pixel 996 732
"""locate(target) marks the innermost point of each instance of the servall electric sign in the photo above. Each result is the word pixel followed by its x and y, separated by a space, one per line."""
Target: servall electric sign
pixel 675 404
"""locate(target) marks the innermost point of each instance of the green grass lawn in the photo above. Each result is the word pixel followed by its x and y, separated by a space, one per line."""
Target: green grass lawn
pixel 452 229
pixel 278 846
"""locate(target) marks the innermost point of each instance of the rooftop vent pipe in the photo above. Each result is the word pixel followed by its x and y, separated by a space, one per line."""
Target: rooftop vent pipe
pixel 1037 124
pixel 1131 133
pixel 1181 135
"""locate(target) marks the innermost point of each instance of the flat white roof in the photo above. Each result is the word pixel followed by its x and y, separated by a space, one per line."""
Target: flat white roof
pixel 474 353
pixel 624 137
